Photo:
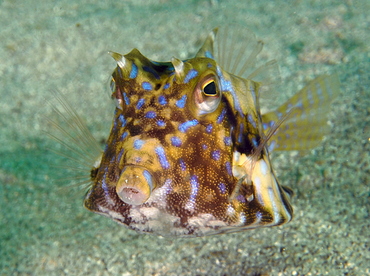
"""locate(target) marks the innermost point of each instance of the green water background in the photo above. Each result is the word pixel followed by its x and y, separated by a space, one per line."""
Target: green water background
pixel 62 45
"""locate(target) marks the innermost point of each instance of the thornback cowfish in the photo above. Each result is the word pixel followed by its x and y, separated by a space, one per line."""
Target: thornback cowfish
pixel 188 151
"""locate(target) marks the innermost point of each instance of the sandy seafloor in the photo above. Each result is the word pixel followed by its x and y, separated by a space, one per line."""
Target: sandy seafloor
pixel 62 45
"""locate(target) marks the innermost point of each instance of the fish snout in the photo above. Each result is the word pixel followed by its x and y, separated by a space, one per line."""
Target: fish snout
pixel 135 185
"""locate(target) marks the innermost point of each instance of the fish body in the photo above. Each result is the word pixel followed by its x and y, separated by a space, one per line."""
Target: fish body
pixel 188 151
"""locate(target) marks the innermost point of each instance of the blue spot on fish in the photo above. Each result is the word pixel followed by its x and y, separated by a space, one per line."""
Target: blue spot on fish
pixel 146 85
pixel 133 72
pixel 176 141
pixel 241 198
pixel 194 187
pixel 188 124
pixel 227 86
pixel 168 187
pixel 138 144
pixel 208 54
pixel 140 103
pixel 251 121
pixel 124 135
pixel 161 123
pixel 151 115
pixel 240 136
pixel 216 155
pixel 127 100
pixel 162 157
pixel 105 185
pixel 259 215
pixel 119 156
pixel 182 164
pixel 190 75
pixel 255 142
pixel 148 178
pixel 222 188
pixel 162 100
pixel 221 117
pixel 209 128
pixel 228 168
pixel 166 86
pixel 181 103
pixel 227 140
pixel 122 119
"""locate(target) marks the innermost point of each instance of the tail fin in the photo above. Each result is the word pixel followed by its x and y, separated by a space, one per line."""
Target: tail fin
pixel 307 124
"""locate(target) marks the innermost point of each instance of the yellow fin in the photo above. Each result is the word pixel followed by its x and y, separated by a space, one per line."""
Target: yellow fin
pixel 307 124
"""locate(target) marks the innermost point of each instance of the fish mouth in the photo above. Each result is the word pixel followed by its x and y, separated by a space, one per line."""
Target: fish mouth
pixel 135 185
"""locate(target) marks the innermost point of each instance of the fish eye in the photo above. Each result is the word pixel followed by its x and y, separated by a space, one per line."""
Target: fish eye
pixel 207 95
pixel 209 88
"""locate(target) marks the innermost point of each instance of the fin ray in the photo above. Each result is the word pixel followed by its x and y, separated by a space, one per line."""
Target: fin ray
pixel 310 108
pixel 78 145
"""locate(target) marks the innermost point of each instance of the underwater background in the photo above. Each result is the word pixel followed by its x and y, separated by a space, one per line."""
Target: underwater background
pixel 62 45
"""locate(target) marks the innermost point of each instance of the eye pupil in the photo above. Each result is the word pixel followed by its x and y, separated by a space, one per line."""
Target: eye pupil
pixel 210 89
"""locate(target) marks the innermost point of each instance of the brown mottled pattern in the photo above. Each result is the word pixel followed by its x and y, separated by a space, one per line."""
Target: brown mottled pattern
pixel 184 158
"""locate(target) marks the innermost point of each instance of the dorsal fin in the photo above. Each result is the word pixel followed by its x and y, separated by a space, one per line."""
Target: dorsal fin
pixel 235 50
